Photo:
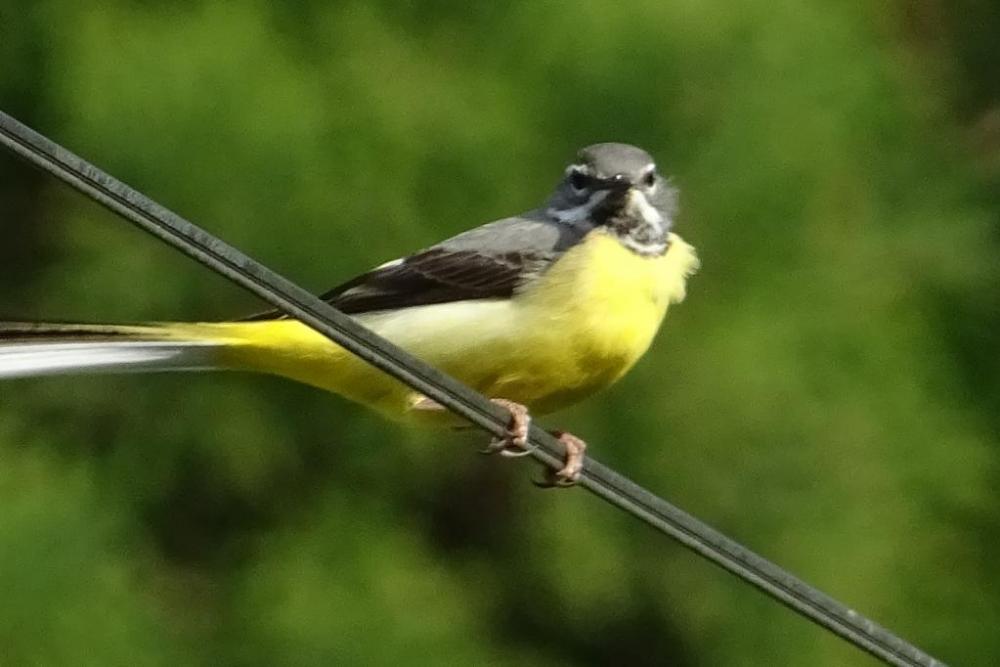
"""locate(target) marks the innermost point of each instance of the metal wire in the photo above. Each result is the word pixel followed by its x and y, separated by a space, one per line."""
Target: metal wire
pixel 338 327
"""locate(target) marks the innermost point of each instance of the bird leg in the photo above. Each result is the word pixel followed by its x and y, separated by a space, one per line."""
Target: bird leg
pixel 514 444
pixel 570 472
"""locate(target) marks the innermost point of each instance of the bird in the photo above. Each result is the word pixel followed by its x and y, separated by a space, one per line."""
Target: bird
pixel 536 311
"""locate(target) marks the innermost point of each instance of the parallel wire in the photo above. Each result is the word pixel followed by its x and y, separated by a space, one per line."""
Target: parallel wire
pixel 343 330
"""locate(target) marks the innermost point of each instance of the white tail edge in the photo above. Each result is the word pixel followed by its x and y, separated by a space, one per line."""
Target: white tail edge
pixel 30 359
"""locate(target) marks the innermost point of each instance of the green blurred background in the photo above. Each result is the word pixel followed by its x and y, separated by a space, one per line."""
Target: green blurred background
pixel 829 394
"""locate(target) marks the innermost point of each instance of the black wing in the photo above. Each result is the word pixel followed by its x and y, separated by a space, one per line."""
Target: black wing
pixel 436 275
pixel 489 262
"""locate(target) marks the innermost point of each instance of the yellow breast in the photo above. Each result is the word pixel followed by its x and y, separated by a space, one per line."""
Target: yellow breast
pixel 593 315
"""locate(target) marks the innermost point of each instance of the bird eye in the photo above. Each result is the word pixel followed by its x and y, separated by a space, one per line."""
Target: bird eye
pixel 578 180
pixel 649 180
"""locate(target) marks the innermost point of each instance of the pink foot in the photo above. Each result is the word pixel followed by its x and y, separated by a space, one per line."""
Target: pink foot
pixel 515 442
pixel 569 474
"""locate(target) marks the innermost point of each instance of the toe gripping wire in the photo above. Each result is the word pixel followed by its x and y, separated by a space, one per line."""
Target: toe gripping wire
pixel 338 327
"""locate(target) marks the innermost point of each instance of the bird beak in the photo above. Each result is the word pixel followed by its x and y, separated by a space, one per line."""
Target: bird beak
pixel 618 184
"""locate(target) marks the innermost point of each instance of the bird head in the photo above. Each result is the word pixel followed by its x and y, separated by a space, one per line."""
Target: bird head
pixel 618 187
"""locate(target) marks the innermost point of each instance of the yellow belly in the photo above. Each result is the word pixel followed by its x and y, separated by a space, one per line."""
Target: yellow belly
pixel 592 316
pixel 572 332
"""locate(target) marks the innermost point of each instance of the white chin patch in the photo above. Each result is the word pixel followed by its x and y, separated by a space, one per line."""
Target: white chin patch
pixel 639 205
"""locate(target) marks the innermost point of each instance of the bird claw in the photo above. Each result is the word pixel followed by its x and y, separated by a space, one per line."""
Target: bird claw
pixel 503 448
pixel 514 454
pixel 552 481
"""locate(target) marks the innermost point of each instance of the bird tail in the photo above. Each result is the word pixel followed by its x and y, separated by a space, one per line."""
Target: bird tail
pixel 35 349
pixel 281 347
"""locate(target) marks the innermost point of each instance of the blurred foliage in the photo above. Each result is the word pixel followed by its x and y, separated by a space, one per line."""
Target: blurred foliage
pixel 829 394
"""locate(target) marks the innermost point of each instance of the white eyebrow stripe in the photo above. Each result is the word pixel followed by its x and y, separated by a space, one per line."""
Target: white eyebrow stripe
pixel 581 212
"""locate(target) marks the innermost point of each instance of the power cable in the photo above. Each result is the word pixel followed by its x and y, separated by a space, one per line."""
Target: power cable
pixel 477 409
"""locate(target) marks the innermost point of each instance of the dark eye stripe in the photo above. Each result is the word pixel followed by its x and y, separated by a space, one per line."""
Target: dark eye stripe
pixel 579 180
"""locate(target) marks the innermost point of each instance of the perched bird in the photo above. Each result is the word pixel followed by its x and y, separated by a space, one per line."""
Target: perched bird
pixel 536 311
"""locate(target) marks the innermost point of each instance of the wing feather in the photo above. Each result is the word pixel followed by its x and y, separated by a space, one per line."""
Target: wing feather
pixel 437 275
pixel 489 262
